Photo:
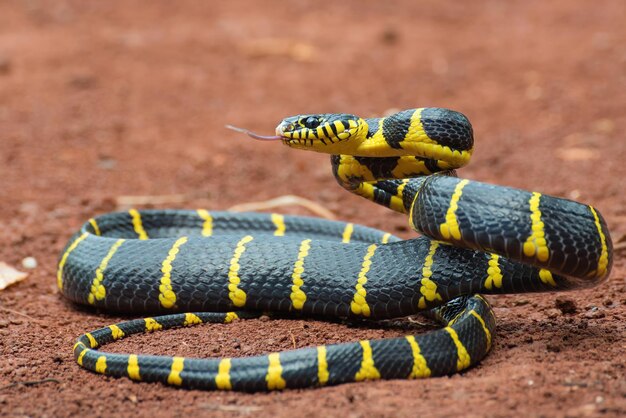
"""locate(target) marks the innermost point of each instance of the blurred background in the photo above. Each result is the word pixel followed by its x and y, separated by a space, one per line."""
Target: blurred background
pixel 105 104
pixel 100 99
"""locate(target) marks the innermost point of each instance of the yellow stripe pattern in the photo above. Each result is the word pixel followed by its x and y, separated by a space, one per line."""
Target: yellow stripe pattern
pixel 406 167
pixel 603 261
pixel 493 315
pixel 191 319
pixel 222 379
pixel 137 224
pixel 417 128
pixel 385 238
pixel 237 295
pixel 133 367
pixel 230 317
pixel 178 364
pixel 152 325
pixel 167 297
pixel 428 289
pixel 494 274
pixel 456 317
pixel 368 369
pixel 420 367
pixel 92 341
pixel 67 252
pixel 463 357
pixel 450 228
pixel 397 203
pixel 80 357
pixel 347 233
pixel 98 291
pixel 359 304
pixel 94 225
pixel 546 277
pixel 116 332
pixel 536 244
pixel 482 322
pixel 101 365
pixel 298 297
pixel 349 168
pixel 274 373
pixel 207 225
pixel 418 142
pixel 411 220
pixel 322 365
pixel 279 222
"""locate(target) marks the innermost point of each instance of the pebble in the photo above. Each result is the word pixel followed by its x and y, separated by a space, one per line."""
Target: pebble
pixel 29 263
pixel 595 314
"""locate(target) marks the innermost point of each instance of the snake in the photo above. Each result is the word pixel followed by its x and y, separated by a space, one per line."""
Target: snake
pixel 189 267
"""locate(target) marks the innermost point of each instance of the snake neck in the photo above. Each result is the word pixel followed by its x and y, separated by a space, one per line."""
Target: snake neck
pixel 426 133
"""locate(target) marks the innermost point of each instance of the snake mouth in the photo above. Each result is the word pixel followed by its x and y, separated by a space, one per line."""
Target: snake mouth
pixel 297 135
pixel 286 132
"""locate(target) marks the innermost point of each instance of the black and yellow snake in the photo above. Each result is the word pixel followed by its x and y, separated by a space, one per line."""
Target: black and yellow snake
pixel 477 239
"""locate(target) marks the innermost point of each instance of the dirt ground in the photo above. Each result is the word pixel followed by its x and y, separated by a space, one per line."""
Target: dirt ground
pixel 101 100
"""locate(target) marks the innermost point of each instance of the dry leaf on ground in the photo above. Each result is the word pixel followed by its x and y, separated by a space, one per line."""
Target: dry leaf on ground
pixel 9 275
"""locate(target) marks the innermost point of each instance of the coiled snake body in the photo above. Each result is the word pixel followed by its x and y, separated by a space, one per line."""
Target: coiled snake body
pixel 477 239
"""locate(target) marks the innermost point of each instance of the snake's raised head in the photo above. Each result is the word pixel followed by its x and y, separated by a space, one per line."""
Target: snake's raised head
pixel 320 131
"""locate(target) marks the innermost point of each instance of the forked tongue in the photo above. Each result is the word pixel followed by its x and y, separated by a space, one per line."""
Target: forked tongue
pixel 254 135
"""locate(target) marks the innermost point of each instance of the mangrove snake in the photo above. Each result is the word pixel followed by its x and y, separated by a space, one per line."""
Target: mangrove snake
pixel 476 239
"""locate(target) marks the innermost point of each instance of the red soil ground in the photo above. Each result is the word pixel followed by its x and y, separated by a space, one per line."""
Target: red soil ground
pixel 105 99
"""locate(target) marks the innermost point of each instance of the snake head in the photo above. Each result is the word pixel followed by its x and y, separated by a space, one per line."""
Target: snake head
pixel 319 131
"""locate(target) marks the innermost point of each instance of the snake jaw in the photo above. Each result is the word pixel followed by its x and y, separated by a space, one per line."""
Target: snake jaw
pixel 283 128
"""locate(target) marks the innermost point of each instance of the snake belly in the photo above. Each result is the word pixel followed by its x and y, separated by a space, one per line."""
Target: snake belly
pixel 193 267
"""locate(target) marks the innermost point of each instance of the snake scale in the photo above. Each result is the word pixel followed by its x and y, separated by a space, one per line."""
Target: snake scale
pixel 193 267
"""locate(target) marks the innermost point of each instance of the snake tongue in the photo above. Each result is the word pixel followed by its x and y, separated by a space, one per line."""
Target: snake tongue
pixel 254 135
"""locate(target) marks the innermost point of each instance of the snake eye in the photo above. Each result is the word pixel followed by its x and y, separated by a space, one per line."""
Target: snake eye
pixel 312 122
